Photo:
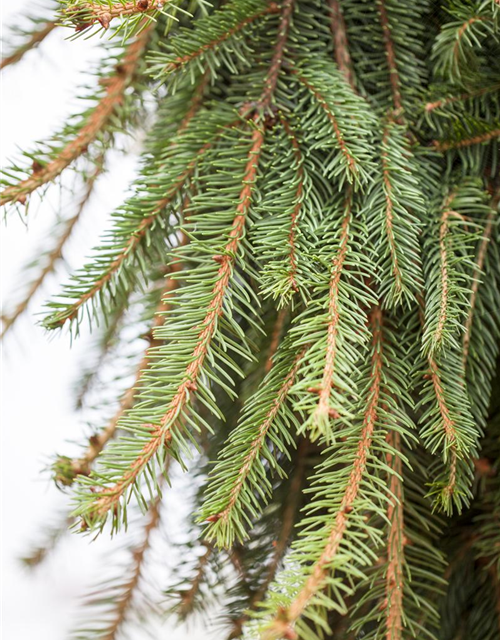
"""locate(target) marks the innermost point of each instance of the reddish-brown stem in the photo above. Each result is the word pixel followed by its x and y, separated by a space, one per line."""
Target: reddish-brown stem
pixel 97 120
pixel 395 545
pixel 342 55
pixel 287 524
pixel 279 50
pixel 282 624
pixel 325 389
pixel 161 434
pixel 139 555
pixel 35 39
pixel 391 59
pixel 85 14
pixel 478 268
pixel 182 60
pixel 389 212
pixel 443 257
pixel 298 203
pixel 82 465
pixel 54 256
pixel 188 597
pixel 437 104
pixel 258 441
pixel 461 33
pixel 275 338
pixel 484 137
pixel 351 163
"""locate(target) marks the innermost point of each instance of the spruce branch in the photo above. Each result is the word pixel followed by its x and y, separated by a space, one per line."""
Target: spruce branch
pixel 342 55
pixel 391 60
pixel 92 125
pixel 282 625
pixel 83 14
pixel 467 142
pixel 66 470
pixel 55 254
pixel 462 97
pixel 36 37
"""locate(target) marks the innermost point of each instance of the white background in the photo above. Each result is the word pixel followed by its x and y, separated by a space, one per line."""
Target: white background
pixel 37 372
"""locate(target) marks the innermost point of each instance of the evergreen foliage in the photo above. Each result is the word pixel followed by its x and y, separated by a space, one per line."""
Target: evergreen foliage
pixel 309 261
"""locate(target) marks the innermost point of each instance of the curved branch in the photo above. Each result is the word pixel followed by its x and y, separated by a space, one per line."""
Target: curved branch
pixel 33 41
pixel 85 14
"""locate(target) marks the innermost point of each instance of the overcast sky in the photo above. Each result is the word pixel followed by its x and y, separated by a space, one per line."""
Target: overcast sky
pixel 37 372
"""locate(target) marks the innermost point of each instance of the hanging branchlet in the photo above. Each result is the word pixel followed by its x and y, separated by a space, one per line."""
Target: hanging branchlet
pixel 82 14
pixel 32 38
pixel 94 122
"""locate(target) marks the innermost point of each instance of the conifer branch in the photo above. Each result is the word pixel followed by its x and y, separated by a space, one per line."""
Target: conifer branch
pixel 255 447
pixel 282 624
pixel 84 14
pixel 55 255
pixel 276 338
pixel 95 123
pixel 179 62
pixel 161 434
pixel 467 142
pixel 323 410
pixel 478 268
pixel 389 215
pixel 342 55
pixel 66 470
pixel 443 102
pixel 33 41
pixel 188 597
pixel 391 59
pixel 393 603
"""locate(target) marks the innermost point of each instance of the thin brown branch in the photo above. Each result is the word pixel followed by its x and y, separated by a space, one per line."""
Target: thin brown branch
pixel 275 338
pixel 85 14
pixel 161 434
pixel 462 31
pixel 478 269
pixel 287 523
pixel 82 465
pixel 391 59
pixel 395 545
pixel 33 41
pixel 258 441
pixel 468 142
pixel 351 163
pixel 323 410
pixel 139 556
pixel 183 60
pixel 188 597
pixel 342 55
pixel 292 273
pixel 279 50
pixel 443 257
pixel 437 104
pixel 389 212
pixel 54 256
pixel 97 120
pixel 282 624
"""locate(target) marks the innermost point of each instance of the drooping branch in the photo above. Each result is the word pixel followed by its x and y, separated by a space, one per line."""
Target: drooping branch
pixel 85 14
pixel 395 582
pixel 342 55
pixel 282 625
pixel 66 470
pixel 391 59
pixel 275 338
pixel 161 433
pixel 443 102
pixel 467 142
pixel 33 41
pixel 323 409
pixel 97 120
pixel 188 597
pixel 54 256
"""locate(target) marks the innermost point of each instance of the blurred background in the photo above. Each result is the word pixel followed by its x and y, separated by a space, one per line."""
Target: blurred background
pixel 38 370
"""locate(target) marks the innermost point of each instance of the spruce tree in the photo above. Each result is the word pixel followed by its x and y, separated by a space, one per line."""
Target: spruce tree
pixel 310 260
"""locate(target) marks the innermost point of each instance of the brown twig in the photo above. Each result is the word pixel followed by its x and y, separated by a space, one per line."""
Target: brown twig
pixel 437 104
pixel 275 338
pixel 161 433
pixel 182 60
pixel 323 409
pixel 259 440
pixel 86 14
pixel 35 39
pixel 282 624
pixel 55 255
pixel 484 137
pixel 394 590
pixel 391 60
pixel 188 597
pixel 97 120
pixel 342 55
